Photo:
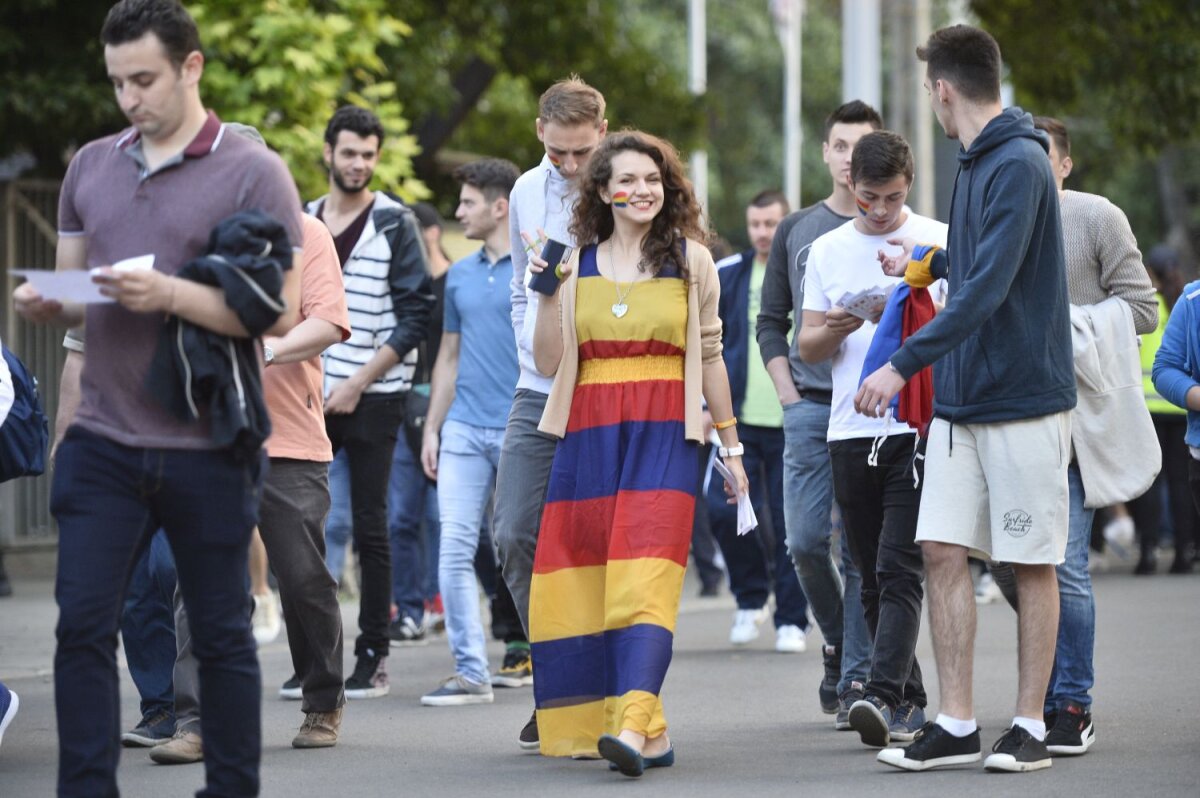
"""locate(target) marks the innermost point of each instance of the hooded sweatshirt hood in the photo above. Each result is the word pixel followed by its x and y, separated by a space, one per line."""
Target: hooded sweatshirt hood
pixel 1012 123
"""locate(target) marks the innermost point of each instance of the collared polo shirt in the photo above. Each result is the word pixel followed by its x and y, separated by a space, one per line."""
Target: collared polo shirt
pixel 478 307
pixel 123 209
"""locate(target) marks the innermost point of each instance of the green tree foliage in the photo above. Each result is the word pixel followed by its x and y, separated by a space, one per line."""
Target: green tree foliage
pixel 472 72
pixel 284 66
pixel 1123 75
pixel 1132 63
pixel 53 91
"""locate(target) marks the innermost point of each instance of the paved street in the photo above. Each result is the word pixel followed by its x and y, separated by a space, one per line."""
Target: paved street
pixel 744 722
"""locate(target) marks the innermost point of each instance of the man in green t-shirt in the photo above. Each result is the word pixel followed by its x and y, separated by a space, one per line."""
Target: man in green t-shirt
pixel 753 561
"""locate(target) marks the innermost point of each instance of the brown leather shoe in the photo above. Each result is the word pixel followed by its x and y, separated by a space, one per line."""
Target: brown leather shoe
pixel 182 749
pixel 319 730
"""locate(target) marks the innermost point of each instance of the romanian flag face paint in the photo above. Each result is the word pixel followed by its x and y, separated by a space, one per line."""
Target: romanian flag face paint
pixel 864 207
pixel 621 199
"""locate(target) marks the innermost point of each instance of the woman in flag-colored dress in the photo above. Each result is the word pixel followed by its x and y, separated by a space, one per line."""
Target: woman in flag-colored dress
pixel 633 340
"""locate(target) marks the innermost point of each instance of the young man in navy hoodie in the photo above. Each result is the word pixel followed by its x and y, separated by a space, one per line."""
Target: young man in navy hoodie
pixel 1004 385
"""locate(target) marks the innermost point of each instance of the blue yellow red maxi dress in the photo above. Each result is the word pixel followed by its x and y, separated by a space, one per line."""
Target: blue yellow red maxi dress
pixel 615 531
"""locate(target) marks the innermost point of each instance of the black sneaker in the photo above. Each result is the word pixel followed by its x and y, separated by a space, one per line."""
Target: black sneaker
pixel 404 631
pixel 370 679
pixel 933 747
pixel 1072 732
pixel 1018 751
pixel 855 692
pixel 292 690
pixel 153 730
pixel 827 691
pixel 871 717
pixel 528 739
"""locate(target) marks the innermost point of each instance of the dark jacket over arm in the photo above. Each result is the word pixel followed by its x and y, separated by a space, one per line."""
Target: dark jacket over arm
pixel 408 279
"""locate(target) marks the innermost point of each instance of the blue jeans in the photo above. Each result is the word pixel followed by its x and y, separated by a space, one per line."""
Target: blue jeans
pixel 412 508
pixel 339 524
pixel 467 464
pixel 836 601
pixel 148 627
pixel 1073 674
pixel 751 564
pixel 108 500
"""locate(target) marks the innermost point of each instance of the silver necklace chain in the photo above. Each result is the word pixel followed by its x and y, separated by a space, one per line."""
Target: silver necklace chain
pixel 620 308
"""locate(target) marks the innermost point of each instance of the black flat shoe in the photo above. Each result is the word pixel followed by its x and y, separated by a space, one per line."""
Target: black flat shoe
pixel 623 757
pixel 663 760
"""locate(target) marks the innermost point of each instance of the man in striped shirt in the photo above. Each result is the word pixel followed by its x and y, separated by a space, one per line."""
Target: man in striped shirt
pixel 389 297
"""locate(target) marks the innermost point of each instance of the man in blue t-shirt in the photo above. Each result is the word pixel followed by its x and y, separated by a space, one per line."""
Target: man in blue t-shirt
pixel 472 389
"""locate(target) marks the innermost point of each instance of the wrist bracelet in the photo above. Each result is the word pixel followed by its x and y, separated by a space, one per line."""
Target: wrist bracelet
pixel 725 424
pixel 737 450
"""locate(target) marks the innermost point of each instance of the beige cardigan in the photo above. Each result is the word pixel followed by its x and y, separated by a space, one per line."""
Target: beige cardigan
pixel 703 343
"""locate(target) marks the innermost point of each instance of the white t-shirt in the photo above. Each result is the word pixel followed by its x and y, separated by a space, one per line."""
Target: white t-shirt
pixel 845 261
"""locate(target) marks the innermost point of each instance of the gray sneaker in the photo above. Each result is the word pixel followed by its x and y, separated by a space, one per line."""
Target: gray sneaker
pixel 907 720
pixel 457 691
pixel 855 692
pixel 871 717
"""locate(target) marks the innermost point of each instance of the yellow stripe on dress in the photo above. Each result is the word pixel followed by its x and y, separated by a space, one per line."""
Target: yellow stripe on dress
pixel 571 731
pixel 559 607
pixel 645 590
pixel 610 370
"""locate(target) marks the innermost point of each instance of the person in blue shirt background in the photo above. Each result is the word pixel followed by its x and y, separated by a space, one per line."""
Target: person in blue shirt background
pixel 473 383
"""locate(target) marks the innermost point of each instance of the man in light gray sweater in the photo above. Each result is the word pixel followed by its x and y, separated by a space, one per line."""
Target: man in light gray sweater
pixel 1102 261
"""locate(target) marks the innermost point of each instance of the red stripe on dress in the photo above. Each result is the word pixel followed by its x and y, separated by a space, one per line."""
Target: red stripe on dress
pixel 646 523
pixel 601 404
pixel 597 348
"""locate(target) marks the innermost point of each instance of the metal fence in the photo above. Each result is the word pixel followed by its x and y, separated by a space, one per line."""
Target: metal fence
pixel 27 241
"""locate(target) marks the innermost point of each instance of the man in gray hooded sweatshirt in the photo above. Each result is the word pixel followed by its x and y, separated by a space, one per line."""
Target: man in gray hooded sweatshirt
pixel 1004 385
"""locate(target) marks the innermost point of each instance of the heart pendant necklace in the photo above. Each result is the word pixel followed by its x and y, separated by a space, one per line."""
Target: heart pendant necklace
pixel 619 308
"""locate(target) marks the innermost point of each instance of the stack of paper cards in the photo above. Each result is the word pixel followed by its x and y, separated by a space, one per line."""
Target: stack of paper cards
pixel 866 304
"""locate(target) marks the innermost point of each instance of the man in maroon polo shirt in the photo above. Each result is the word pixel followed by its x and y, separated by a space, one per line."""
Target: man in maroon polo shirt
pixel 127 466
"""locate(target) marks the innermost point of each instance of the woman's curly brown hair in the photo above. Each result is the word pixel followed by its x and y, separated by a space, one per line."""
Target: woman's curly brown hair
pixel 679 218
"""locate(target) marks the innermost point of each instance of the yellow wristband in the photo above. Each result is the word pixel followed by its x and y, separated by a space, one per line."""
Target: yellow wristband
pixel 725 424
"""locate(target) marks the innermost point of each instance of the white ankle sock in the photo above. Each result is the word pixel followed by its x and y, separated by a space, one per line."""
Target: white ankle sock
pixel 959 728
pixel 1037 728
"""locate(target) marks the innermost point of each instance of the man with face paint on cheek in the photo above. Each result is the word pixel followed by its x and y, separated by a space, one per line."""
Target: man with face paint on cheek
pixel 570 125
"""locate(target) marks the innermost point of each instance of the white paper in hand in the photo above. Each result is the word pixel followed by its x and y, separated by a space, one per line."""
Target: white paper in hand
pixel 76 285
pixel 746 518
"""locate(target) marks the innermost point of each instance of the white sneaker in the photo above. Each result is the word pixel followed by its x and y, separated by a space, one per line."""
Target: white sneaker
pixel 266 619
pixel 745 626
pixel 790 639
pixel 987 591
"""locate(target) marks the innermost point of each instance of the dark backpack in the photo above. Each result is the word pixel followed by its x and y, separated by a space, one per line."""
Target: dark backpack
pixel 25 433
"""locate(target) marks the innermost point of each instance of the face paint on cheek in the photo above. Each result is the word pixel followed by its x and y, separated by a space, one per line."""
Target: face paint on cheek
pixel 864 208
pixel 556 163
pixel 620 199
